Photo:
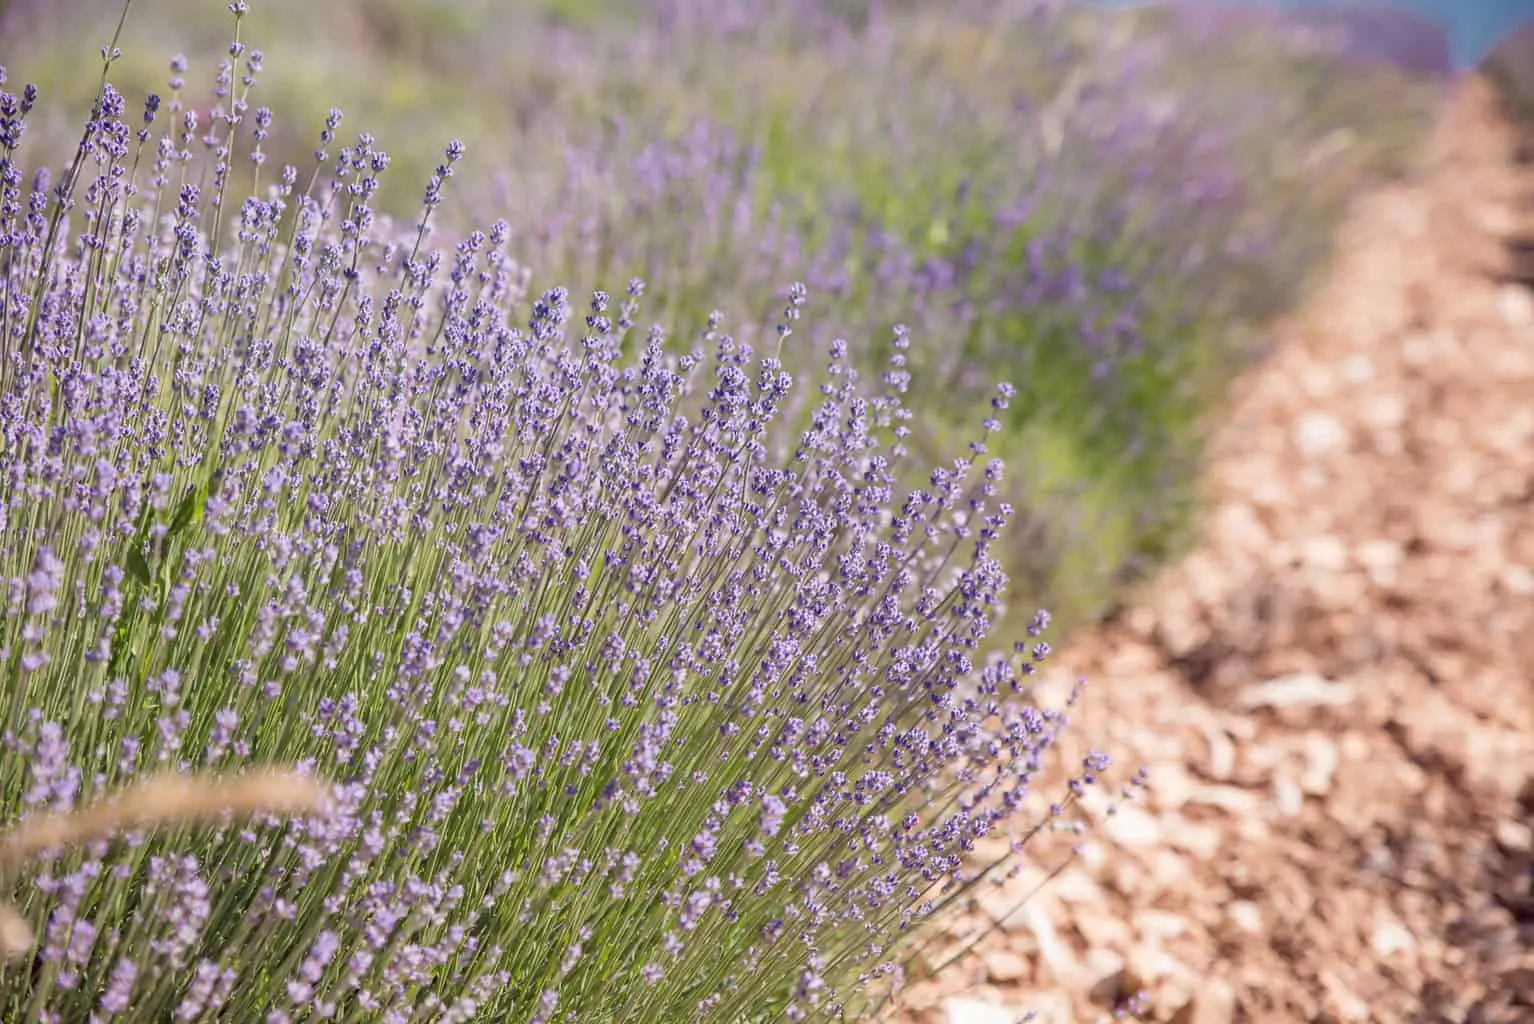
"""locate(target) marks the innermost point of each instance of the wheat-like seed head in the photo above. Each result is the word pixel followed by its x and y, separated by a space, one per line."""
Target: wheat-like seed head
pixel 15 933
pixel 163 800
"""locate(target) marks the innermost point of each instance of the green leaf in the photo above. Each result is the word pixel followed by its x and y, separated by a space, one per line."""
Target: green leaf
pixel 119 647
pixel 138 567
pixel 186 511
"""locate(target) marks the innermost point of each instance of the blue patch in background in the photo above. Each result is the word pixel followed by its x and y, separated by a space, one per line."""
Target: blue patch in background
pixel 1471 28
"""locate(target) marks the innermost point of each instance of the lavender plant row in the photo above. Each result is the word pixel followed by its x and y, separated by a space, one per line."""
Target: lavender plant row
pixel 636 704
pixel 1077 218
pixel 1036 191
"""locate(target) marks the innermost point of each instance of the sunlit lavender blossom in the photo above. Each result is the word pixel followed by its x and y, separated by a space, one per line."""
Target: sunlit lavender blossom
pixel 642 704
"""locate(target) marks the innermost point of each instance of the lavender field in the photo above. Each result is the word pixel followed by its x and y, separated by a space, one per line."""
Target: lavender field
pixel 620 449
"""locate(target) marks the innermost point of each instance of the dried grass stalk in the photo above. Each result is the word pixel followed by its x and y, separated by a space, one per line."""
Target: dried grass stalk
pixel 160 801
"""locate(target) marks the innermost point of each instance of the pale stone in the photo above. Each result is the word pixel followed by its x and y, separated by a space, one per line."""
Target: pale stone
pixel 1325 554
pixel 1514 836
pixel 967 1010
pixel 1245 915
pixel 1100 928
pixel 1004 965
pixel 1344 1002
pixel 1295 691
pixel 1318 433
pixel 1518 580
pixel 1516 304
pixel 1075 887
pixel 1391 937
pixel 1385 411
pixel 1288 798
pixel 1092 856
pixel 1201 840
pixel 1321 760
pixel 1052 952
pixel 1358 368
pixel 1160 924
pixel 1170 786
pixel 1222 754
pixel 1382 559
pixel 1239 524
pixel 1237 802
pixel 1213 1003
pixel 1132 827
pixel 1047 1008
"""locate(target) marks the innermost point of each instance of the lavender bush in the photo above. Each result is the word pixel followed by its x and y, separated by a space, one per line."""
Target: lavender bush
pixel 1038 193
pixel 639 703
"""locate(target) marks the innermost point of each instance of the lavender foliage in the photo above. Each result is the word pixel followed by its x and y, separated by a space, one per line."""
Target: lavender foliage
pixel 640 705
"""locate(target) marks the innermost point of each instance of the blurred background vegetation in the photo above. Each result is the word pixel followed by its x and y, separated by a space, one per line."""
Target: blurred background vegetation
pixel 1107 209
pixel 1511 67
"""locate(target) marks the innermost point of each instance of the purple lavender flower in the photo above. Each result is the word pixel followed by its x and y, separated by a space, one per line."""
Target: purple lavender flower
pixel 653 685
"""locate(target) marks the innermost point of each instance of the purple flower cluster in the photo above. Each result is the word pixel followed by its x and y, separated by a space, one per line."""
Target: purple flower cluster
pixel 643 702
